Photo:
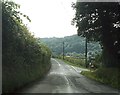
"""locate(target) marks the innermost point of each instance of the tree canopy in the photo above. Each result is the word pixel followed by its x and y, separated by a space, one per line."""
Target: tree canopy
pixel 100 22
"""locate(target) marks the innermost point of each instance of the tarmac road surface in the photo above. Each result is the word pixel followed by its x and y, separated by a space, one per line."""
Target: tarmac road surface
pixel 64 78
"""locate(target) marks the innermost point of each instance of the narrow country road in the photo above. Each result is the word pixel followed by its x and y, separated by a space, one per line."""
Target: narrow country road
pixel 64 78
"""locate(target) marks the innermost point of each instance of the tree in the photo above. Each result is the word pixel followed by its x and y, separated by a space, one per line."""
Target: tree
pixel 100 22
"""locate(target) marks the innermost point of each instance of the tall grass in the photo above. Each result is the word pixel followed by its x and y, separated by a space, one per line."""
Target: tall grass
pixel 74 61
pixel 108 76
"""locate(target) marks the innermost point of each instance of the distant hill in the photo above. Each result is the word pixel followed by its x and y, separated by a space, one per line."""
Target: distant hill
pixel 72 44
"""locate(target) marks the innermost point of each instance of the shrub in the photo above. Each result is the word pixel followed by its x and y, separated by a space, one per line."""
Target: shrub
pixel 23 59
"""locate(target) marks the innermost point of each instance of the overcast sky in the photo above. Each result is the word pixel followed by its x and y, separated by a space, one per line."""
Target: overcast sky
pixel 50 18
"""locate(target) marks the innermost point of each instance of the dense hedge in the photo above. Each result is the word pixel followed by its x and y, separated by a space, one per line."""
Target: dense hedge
pixel 23 59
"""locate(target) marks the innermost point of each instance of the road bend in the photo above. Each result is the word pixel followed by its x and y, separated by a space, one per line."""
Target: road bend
pixel 64 78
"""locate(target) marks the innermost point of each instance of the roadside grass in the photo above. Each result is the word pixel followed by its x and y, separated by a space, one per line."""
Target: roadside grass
pixel 70 63
pixel 109 76
pixel 74 62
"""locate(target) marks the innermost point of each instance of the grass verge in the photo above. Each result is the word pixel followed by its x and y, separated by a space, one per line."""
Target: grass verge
pixel 71 63
pixel 109 76
pixel 74 62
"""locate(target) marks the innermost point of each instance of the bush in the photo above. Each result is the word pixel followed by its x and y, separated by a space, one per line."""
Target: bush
pixel 24 60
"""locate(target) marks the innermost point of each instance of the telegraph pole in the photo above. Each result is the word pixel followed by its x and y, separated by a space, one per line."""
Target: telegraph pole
pixel 63 50
pixel 86 52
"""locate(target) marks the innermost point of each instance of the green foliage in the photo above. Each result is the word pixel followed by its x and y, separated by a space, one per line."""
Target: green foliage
pixel 100 22
pixel 108 76
pixel 24 60
pixel 72 44
pixel 74 61
pixel 98 60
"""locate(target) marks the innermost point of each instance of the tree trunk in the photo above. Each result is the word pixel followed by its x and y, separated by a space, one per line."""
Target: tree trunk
pixel 109 59
pixel 109 53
